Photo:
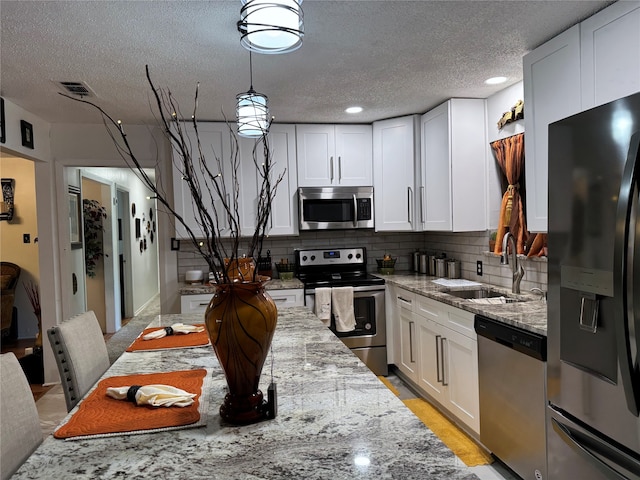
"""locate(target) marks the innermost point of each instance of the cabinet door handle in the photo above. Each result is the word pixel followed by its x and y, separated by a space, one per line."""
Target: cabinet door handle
pixel 438 379
pixel 404 300
pixel 411 342
pixel 339 169
pixel 331 167
pixel 442 361
pixel 409 197
pixel 422 209
pixel 203 304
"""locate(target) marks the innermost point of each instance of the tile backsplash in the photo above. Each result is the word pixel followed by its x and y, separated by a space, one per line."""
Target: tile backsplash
pixel 468 247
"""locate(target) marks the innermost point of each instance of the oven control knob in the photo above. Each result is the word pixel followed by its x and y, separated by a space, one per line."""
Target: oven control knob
pixel 367 326
pixel 358 256
pixel 313 257
pixel 304 258
pixel 350 256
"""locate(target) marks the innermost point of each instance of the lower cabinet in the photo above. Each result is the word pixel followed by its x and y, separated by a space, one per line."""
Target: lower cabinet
pixel 439 353
pixel 293 297
pixel 195 303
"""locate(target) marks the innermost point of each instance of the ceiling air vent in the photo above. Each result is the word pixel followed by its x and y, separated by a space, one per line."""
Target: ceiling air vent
pixel 77 88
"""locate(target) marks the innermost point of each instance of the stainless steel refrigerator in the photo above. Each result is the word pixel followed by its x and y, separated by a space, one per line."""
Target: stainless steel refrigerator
pixel 593 375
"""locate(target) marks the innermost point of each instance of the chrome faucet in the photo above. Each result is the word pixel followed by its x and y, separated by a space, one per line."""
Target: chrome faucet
pixel 516 269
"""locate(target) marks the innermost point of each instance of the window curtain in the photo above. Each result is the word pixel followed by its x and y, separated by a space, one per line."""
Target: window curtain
pixel 509 153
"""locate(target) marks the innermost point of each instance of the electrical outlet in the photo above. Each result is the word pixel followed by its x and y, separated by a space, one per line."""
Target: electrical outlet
pixel 479 268
pixel 26 238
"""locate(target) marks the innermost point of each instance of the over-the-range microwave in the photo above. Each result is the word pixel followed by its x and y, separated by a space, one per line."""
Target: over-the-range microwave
pixel 326 208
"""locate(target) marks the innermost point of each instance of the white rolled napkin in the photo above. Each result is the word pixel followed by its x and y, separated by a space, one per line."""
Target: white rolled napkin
pixel 154 395
pixel 175 329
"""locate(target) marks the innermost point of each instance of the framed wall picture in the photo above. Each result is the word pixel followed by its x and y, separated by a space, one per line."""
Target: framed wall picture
pixel 3 136
pixel 26 130
pixel 75 217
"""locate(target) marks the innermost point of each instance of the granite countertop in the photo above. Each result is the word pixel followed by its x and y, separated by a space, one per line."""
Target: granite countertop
pixel 273 284
pixel 529 315
pixel 335 420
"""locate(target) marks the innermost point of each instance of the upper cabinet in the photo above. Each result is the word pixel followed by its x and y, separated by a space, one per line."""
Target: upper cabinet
pixel 216 143
pixel 610 54
pixel 334 155
pixel 551 92
pixel 590 64
pixel 453 190
pixel 284 208
pixel 396 145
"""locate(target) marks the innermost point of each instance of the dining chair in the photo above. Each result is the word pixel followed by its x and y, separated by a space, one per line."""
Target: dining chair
pixel 81 354
pixel 20 426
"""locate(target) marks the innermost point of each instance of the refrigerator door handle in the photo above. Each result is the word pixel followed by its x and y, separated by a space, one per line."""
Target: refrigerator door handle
pixel 594 451
pixel 629 371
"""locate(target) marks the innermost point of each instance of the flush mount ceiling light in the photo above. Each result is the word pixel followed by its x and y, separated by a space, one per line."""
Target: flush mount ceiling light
pixel 271 26
pixel 495 80
pixel 353 109
pixel 252 111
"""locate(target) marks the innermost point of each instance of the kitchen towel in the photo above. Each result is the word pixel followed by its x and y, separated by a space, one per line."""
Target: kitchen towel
pixel 323 305
pixel 175 329
pixel 153 395
pixel 342 308
pixel 198 339
pixel 98 415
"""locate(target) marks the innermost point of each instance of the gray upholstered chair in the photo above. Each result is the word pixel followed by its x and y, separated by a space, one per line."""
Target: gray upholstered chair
pixel 81 355
pixel 20 431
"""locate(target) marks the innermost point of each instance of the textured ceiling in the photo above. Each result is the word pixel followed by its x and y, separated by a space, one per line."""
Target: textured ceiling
pixel 391 57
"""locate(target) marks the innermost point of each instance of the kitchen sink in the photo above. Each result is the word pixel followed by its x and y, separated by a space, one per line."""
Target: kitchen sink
pixel 479 293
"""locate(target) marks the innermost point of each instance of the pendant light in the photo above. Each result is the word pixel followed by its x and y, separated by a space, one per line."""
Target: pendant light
pixel 252 111
pixel 272 27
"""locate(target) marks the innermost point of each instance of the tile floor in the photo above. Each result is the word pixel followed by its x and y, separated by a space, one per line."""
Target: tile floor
pixel 495 471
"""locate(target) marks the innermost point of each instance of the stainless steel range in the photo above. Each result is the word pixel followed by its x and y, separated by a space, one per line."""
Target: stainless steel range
pixel 347 267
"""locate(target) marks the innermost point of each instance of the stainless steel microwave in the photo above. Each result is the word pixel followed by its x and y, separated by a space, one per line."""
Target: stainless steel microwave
pixel 326 208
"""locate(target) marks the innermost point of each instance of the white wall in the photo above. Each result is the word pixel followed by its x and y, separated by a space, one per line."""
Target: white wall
pixel 91 146
pixel 497 105
pixel 144 265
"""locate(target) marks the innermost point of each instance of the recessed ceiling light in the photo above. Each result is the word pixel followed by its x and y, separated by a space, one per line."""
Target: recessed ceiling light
pixel 495 80
pixel 353 110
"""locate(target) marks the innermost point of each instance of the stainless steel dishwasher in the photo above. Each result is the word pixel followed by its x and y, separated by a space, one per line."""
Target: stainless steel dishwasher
pixel 512 374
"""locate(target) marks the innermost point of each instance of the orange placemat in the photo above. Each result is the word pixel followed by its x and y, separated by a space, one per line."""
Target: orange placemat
pixel 101 415
pixel 189 340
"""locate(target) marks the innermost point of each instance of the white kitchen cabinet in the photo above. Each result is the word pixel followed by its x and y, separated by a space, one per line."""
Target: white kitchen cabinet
pixel 293 297
pixel 437 351
pixel 396 145
pixel 448 359
pixel 551 92
pixel 407 354
pixel 453 190
pixel 195 303
pixel 330 155
pixel 284 208
pixel 610 54
pixel 216 143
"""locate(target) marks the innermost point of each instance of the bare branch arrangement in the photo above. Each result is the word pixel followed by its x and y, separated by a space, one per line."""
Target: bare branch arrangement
pixel 34 295
pixel 216 210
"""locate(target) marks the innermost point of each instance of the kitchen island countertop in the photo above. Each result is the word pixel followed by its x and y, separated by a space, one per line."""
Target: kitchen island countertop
pixel 335 420
pixel 530 315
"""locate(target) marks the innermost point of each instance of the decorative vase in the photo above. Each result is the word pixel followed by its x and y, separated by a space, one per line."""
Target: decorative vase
pixel 241 319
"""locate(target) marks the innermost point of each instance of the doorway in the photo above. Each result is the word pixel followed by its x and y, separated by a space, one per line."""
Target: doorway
pixel 124 254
